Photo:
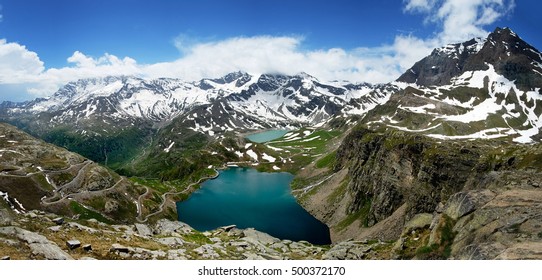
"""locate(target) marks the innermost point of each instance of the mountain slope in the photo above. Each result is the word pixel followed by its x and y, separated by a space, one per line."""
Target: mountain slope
pixel 39 176
pixel 115 120
pixel 488 88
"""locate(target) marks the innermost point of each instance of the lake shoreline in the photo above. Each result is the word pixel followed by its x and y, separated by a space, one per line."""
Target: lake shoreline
pixel 251 199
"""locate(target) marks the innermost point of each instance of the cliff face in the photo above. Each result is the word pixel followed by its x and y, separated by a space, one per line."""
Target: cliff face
pixel 389 170
pixel 455 199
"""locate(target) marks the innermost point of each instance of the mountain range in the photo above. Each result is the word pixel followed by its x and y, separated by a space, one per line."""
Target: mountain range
pixel 443 143
pixel 485 87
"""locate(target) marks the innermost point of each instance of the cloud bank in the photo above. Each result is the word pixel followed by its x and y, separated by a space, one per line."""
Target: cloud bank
pixel 456 20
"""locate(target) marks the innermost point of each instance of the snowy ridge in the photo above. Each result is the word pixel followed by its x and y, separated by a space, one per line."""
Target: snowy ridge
pixel 494 100
pixel 236 101
pixel 456 50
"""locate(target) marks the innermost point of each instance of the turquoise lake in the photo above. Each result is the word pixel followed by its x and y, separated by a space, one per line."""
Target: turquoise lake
pixel 247 198
pixel 266 136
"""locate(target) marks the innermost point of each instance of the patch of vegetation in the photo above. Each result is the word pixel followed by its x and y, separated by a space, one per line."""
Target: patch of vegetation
pixel 326 161
pixel 87 214
pixel 112 150
pixel 198 238
pixel 61 178
pixel 361 215
pixel 338 192
pixel 442 249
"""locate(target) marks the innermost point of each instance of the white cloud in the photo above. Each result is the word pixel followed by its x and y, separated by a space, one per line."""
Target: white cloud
pixel 419 5
pixel 456 20
pixel 461 19
pixel 18 64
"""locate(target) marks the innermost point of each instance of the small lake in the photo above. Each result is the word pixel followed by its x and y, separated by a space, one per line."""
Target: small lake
pixel 266 136
pixel 247 198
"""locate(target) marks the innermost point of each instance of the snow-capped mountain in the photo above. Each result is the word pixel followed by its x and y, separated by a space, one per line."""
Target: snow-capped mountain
pixel 482 88
pixel 237 101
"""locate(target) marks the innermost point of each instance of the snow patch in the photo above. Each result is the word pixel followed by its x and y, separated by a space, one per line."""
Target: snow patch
pixel 268 157
pixel 252 154
pixel 169 147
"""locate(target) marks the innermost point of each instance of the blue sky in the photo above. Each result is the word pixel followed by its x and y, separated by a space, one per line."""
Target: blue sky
pixel 45 44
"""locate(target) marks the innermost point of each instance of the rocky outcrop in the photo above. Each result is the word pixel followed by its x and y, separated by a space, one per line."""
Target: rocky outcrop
pixel 164 239
pixel 39 245
pixel 389 170
pixel 453 199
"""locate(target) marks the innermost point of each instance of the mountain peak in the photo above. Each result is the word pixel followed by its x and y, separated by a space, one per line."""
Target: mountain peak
pixel 505 50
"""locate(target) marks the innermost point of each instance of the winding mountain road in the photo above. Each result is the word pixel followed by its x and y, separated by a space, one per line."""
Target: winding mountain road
pixel 164 198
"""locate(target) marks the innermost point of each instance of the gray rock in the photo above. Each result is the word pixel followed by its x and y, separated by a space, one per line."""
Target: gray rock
pixel 82 227
pixel 271 257
pixel 280 246
pixel 178 254
pixel 5 258
pixel 31 215
pixel 170 241
pixel 55 228
pixel 297 246
pixel 254 236
pixel 5 217
pixel 463 203
pixel 419 221
pixel 143 230
pixel 58 220
pixel 357 253
pixel 215 239
pixel 253 256
pixel 207 252
pixel 119 248
pixel 167 227
pixel 73 244
pixel 227 228
pixel 23 235
pixel 49 250
pixel 339 252
pixel 87 247
pixel 241 244
pixel 235 232
pixel 10 242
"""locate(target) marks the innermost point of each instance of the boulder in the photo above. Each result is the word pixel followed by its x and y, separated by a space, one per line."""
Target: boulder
pixel 55 228
pixel 167 227
pixel 83 228
pixel 463 203
pixel 227 228
pixel 73 244
pixel 87 247
pixel 207 252
pixel 49 250
pixel 119 248
pixel 419 221
pixel 254 236
pixel 241 244
pixel 252 256
pixel 58 220
pixel 170 241
pixel 5 217
pixel 143 230
pixel 38 244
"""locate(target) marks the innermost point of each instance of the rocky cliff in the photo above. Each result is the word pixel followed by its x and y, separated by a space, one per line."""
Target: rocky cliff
pixel 458 199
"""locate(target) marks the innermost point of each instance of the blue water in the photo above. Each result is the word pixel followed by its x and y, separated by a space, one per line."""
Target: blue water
pixel 266 136
pixel 247 198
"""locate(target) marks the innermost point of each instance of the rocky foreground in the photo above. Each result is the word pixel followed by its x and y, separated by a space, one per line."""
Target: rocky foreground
pixel 39 235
